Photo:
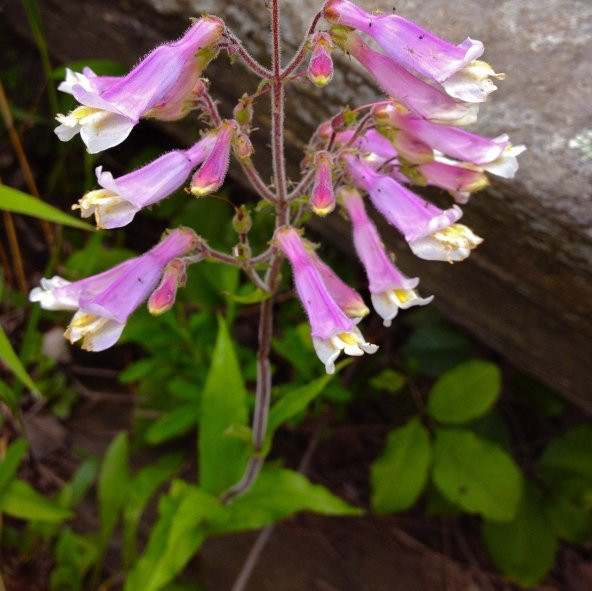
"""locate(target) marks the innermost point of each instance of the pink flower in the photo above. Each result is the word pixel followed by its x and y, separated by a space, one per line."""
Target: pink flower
pixel 458 180
pixel 454 66
pixel 322 199
pixel 497 155
pixel 331 330
pixel 431 232
pixel 320 66
pixel 213 171
pixel 119 199
pixel 389 288
pixel 421 97
pixel 104 302
pixel 108 115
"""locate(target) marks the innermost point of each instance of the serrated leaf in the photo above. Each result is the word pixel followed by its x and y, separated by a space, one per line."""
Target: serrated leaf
pixel 9 358
pixel 476 474
pixel 173 424
pixel 465 392
pixel 399 475
pixel 524 549
pixel 224 402
pixel 20 500
pixel 16 201
pixel 9 465
pixel 276 494
pixel 569 455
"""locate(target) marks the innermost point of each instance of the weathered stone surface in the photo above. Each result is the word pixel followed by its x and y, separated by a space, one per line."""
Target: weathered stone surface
pixel 527 290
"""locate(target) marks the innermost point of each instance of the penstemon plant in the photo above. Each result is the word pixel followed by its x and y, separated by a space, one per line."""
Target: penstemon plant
pixel 414 136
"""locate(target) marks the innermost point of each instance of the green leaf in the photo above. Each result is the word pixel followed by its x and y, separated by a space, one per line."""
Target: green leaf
pixel 113 485
pixel 524 549
pixel 253 297
pixel 276 494
pixel 569 455
pixel 9 357
pixel 465 392
pixel 74 491
pixel 18 202
pixel 399 475
pixel 11 462
pixel 8 395
pixel 568 510
pixel 137 370
pixel 176 537
pixel 476 474
pixel 173 424
pixel 224 402
pixel 20 500
pixel 295 401
pixel 142 488
pixel 390 380
pixel 74 554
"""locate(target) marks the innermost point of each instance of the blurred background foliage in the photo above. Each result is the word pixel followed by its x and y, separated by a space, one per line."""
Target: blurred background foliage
pixel 111 464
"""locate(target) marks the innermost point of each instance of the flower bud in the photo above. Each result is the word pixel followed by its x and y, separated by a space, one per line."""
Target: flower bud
pixel 243 112
pixel 320 66
pixel 163 297
pixel 241 222
pixel 243 148
pixel 322 199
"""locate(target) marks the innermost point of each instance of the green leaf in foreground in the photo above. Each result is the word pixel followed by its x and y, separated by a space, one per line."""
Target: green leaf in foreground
pixel 399 475
pixel 9 357
pixel 11 462
pixel 465 392
pixel 20 500
pixel 476 474
pixel 277 494
pixel 224 402
pixel 16 201
pixel 524 549
pixel 569 455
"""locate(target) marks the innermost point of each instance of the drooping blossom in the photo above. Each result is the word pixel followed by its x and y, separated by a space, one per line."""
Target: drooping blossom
pixel 389 288
pixel 212 172
pixel 322 198
pixel 119 199
pixel 432 233
pixel 163 297
pixel 496 155
pixel 459 181
pixel 104 302
pixel 107 115
pixel 331 329
pixel 454 66
pixel 320 66
pixel 421 97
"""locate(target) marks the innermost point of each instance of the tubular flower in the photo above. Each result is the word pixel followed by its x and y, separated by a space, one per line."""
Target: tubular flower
pixel 423 98
pixel 331 330
pixel 496 155
pixel 322 198
pixel 163 297
pixel 104 302
pixel 320 66
pixel 424 226
pixel 107 116
pixel 212 172
pixel 119 199
pixel 458 180
pixel 389 288
pixel 454 66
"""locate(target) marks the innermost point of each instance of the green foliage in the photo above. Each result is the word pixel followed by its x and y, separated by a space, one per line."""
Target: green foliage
pixel 9 357
pixel 21 500
pixel 523 549
pixel 465 392
pixel 11 462
pixel 224 403
pixel 476 474
pixel 399 475
pixel 16 201
pixel 389 380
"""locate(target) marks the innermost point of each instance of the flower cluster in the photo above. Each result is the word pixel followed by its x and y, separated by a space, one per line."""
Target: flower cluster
pixel 415 136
